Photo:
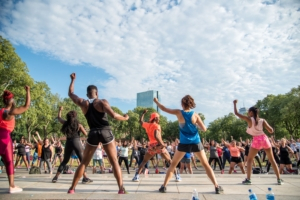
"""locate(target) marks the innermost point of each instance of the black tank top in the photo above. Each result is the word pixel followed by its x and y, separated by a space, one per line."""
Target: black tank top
pixel 284 153
pixel 46 152
pixel 58 150
pixel 95 118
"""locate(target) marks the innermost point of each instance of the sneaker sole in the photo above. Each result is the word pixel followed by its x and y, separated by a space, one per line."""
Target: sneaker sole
pixel 136 180
pixel 246 183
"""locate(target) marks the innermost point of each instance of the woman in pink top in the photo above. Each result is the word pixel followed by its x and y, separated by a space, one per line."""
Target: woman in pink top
pixel 260 140
pixel 7 125
pixel 235 153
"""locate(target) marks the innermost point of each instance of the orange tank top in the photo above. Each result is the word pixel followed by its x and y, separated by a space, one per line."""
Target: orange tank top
pixel 234 151
pixel 6 124
pixel 150 129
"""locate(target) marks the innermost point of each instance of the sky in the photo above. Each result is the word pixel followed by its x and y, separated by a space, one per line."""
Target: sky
pixel 216 51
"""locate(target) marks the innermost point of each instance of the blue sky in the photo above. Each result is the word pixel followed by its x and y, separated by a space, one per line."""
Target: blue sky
pixel 216 51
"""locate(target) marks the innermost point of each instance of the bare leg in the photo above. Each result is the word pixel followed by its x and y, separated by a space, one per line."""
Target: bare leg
pixel 272 161
pixel 231 168
pixel 203 159
pixel 88 154
pixel 147 157
pixel 241 165
pixel 176 159
pixel 251 155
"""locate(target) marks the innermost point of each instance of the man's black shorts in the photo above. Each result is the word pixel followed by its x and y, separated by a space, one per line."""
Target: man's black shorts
pixel 190 147
pixel 104 136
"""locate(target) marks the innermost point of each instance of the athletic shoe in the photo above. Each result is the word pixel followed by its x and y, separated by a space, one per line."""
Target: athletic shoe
pixel 54 180
pixel 162 189
pixel 196 168
pixel 0 171
pixel 279 181
pixel 178 179
pixel 234 171
pixel 71 191
pixel 128 172
pixel 136 178
pixel 222 171
pixel 219 190
pixel 86 180
pixel 164 168
pixel 123 191
pixel 246 182
pixel 15 189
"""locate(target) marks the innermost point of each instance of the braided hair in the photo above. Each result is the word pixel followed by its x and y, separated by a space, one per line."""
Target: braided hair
pixel 71 126
pixel 255 113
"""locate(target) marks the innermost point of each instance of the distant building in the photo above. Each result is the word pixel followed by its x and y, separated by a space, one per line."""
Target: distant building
pixel 145 99
pixel 243 110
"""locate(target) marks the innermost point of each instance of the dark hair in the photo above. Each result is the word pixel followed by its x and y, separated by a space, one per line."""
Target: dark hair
pixel 211 142
pixel 90 88
pixel 71 126
pixel 6 96
pixel 188 102
pixel 255 113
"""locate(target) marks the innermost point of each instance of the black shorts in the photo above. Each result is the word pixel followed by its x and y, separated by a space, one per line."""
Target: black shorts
pixel 188 148
pixel 237 160
pixel 104 136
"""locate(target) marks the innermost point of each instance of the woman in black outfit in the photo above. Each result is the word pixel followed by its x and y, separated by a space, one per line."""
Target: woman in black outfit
pixel 58 153
pixel 284 151
pixel 71 128
pixel 46 156
pixel 21 153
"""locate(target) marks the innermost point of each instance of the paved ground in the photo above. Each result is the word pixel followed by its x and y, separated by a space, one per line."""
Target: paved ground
pixel 104 187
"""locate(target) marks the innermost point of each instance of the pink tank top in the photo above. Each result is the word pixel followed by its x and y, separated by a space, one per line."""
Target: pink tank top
pixel 4 124
pixel 256 130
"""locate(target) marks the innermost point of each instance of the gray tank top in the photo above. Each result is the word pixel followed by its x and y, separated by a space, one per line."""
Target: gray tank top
pixel 213 152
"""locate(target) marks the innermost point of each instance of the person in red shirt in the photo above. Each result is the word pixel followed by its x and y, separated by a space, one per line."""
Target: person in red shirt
pixel 156 144
pixel 7 125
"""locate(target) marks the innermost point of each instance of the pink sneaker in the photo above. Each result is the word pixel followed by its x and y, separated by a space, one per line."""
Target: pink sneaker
pixel 222 172
pixel 123 191
pixel 71 191
pixel 235 171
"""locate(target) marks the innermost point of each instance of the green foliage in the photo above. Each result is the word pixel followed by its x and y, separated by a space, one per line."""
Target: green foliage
pixel 281 111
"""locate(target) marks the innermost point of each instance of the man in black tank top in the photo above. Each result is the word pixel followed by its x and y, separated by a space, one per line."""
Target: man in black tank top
pixel 95 111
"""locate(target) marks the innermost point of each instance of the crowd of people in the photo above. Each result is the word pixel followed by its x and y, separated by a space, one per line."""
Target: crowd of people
pixel 102 150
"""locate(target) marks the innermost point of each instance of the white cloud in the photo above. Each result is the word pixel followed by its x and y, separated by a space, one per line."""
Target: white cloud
pixel 215 51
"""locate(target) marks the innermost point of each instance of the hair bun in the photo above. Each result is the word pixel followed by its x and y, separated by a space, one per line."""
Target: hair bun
pixel 7 95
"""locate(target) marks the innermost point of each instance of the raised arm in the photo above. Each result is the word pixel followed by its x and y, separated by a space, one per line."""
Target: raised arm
pixel 78 101
pixel 225 143
pixel 273 142
pixel 38 135
pixel 167 110
pixel 62 121
pixel 113 114
pixel 21 109
pixel 243 117
pixel 142 117
pixel 81 128
pixel 34 139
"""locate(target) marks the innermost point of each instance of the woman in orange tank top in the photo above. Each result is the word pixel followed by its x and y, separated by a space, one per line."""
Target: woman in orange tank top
pixel 235 155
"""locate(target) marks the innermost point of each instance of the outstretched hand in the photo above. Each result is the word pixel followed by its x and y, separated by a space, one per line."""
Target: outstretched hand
pixel 126 116
pixel 155 100
pixel 145 111
pixel 61 107
pixel 73 76
pixel 235 101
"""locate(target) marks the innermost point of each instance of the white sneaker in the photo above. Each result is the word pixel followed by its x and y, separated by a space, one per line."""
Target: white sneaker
pixel 178 179
pixel 136 178
pixel 15 189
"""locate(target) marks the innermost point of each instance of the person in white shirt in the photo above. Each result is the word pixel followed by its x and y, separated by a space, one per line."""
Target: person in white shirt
pixel 97 158
pixel 123 156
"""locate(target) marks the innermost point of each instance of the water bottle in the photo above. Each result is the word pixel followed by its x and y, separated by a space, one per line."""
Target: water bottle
pixel 252 196
pixel 270 195
pixel 195 195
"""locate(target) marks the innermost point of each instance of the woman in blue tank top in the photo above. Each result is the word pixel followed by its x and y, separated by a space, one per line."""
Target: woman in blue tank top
pixel 189 122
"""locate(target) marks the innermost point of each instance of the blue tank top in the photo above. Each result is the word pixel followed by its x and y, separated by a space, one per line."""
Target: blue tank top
pixel 188 131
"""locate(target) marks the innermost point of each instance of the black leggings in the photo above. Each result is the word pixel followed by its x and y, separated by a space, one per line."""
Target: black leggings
pixel 216 160
pixel 136 160
pixel 125 161
pixel 71 144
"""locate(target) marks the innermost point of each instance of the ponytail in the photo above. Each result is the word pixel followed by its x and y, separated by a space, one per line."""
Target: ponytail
pixel 255 113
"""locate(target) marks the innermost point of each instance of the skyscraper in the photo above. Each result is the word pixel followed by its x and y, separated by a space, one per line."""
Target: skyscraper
pixel 145 99
pixel 243 110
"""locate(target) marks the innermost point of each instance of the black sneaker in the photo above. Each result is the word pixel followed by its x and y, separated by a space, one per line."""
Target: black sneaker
pixel 86 180
pixel 219 190
pixel 54 180
pixel 162 189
